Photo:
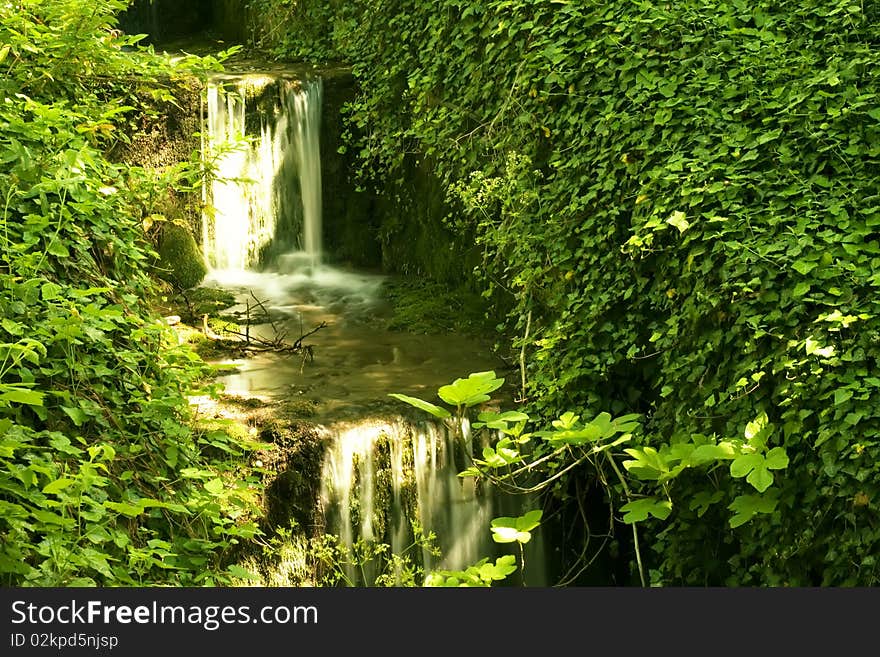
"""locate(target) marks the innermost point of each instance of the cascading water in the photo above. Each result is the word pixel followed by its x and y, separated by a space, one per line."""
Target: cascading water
pixel 380 476
pixel 263 140
pixel 262 235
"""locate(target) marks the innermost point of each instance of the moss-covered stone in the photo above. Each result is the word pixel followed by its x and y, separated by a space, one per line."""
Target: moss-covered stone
pixel 180 261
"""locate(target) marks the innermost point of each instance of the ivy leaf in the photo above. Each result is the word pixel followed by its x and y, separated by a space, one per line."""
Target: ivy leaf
pixel 678 220
pixel 434 410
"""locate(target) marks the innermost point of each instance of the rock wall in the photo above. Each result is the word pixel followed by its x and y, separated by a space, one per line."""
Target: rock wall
pixel 167 19
pixel 351 222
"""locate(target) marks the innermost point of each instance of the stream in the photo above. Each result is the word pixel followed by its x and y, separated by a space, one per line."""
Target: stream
pixel 385 476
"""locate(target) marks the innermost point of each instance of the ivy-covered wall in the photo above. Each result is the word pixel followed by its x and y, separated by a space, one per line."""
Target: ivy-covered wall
pixel 680 202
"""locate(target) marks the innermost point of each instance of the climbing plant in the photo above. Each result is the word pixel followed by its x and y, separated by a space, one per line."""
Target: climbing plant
pixel 102 480
pixel 678 203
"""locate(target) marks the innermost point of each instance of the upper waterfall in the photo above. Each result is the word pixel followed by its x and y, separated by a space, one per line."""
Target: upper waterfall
pixel 262 141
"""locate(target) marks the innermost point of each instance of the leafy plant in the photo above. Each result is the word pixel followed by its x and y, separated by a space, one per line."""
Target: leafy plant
pixel 676 205
pixel 102 481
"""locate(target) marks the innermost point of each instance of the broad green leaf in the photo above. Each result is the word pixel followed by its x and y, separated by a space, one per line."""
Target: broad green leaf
pixel 470 391
pixel 502 534
pixel 804 267
pixel 754 427
pixel 639 510
pixel 57 486
pixel 776 459
pixel 57 248
pixel 703 500
pixel 50 291
pixel 499 421
pixel 21 395
pixel 646 464
pixel 760 478
pixel 529 521
pixel 428 407
pixel 214 486
pixel 746 507
pixel 76 414
pixel 242 573
pixel 678 219
pixel 566 421
pixel 62 443
pixel 743 465
pixel 125 509
pixel 508 530
pixel 51 518
pixel 706 453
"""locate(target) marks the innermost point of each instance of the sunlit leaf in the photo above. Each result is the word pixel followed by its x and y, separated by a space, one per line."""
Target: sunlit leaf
pixel 421 404
pixel 470 391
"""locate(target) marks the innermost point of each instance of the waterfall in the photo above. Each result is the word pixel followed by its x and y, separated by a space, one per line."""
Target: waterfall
pixel 384 482
pixel 264 201
pixel 380 475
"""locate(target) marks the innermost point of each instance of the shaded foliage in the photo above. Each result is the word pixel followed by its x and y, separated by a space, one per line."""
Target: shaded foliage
pixel 101 479
pixel 680 201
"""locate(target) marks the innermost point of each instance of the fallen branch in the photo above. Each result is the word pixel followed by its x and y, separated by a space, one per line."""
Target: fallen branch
pixel 245 342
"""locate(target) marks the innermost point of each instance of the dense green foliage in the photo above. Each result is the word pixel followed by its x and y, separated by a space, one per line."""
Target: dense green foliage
pixel 680 202
pixel 101 479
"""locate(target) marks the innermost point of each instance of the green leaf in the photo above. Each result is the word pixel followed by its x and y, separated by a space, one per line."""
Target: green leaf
pixel 57 486
pixel 509 530
pixel 743 465
pixel 776 459
pixel 678 220
pixel 758 430
pixel 639 510
pixel 214 486
pixel 242 573
pixel 804 267
pixel 436 411
pixel 499 421
pixel 760 478
pixel 76 414
pixel 470 391
pixel 529 521
pixel 746 507
pixel 21 395
pixel 50 291
pixel 125 509
pixel 57 248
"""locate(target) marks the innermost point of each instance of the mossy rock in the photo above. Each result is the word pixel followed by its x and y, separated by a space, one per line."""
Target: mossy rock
pixel 180 261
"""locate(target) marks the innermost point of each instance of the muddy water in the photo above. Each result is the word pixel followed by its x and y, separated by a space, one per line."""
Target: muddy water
pixel 356 361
